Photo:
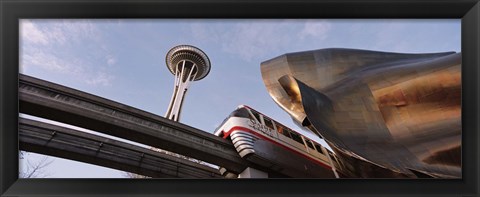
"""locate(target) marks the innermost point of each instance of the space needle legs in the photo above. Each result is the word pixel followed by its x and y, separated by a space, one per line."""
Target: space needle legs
pixel 183 77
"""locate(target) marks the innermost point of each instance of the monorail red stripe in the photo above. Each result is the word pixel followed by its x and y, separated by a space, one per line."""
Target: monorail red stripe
pixel 268 139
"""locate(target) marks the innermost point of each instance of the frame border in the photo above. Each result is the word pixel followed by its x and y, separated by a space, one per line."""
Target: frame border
pixel 13 10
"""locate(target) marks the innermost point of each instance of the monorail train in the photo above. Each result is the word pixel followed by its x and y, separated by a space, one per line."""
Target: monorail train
pixel 265 142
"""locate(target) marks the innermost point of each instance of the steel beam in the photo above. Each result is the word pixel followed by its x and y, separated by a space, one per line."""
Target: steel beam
pixel 48 139
pixel 52 101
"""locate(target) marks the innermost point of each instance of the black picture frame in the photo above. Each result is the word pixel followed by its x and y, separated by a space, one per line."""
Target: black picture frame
pixel 13 10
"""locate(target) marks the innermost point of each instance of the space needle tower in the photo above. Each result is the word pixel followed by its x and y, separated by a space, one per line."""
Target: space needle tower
pixel 187 63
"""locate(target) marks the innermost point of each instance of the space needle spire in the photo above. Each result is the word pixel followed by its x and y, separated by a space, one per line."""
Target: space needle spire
pixel 187 63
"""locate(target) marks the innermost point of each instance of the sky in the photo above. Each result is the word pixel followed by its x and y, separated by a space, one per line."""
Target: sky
pixel 124 60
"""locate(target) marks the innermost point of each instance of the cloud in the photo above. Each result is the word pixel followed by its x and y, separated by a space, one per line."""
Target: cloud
pixel 111 60
pixel 73 67
pixel 419 36
pixel 250 40
pixel 49 62
pixel 392 36
pixel 255 39
pixel 30 33
pixel 315 28
pixel 100 78
pixel 69 47
pixel 78 30
pixel 45 32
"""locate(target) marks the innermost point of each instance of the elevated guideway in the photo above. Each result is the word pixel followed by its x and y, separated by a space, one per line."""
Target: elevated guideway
pixel 55 102
pixel 58 141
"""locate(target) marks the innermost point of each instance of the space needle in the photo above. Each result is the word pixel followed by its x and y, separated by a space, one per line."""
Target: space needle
pixel 187 63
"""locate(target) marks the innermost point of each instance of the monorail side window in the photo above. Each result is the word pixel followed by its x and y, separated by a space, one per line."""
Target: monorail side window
pixel 268 122
pixel 257 116
pixel 309 144
pixel 296 137
pixel 284 131
pixel 319 148
pixel 280 129
pixel 331 155
pixel 287 132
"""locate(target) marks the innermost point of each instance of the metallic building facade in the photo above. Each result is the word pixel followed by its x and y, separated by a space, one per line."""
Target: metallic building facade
pixel 384 114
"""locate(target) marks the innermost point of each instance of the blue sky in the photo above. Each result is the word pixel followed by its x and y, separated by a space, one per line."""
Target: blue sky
pixel 124 60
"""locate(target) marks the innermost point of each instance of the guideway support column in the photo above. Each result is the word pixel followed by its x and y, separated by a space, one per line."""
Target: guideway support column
pixel 252 173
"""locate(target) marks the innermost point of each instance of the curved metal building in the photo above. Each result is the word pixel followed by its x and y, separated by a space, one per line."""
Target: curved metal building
pixel 384 114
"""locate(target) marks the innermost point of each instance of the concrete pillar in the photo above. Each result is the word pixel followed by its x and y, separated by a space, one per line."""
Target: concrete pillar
pixel 252 173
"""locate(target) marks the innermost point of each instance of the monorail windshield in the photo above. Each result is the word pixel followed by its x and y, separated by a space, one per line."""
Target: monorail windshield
pixel 240 112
